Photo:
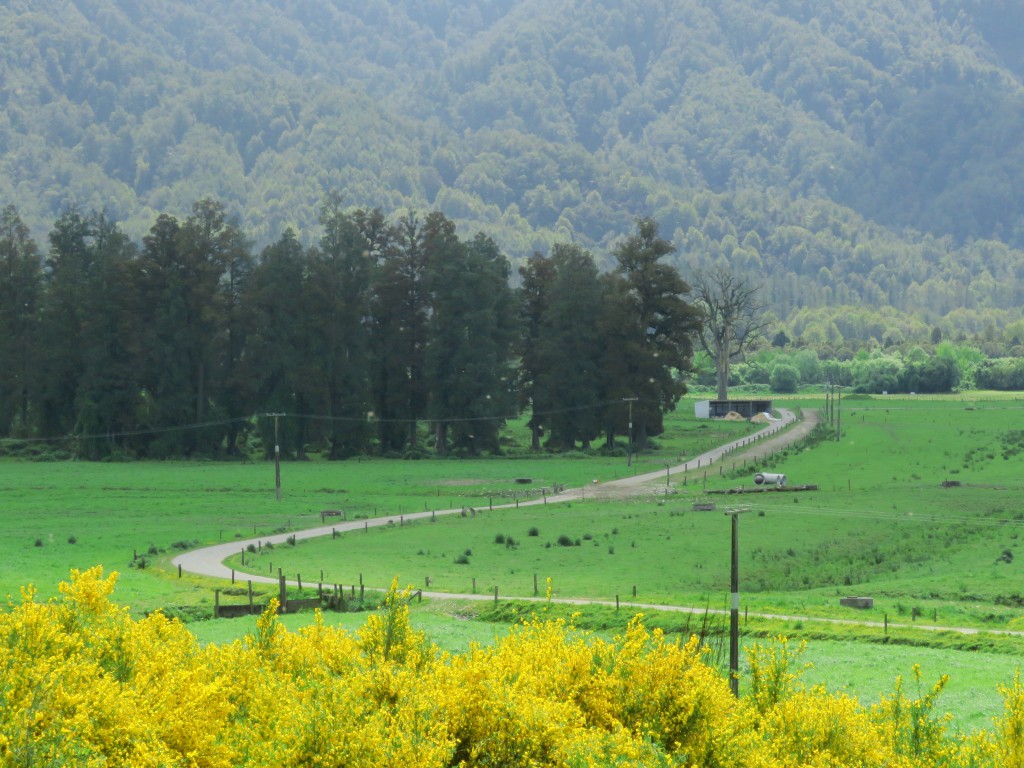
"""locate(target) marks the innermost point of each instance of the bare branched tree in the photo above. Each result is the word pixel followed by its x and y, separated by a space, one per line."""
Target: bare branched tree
pixel 732 320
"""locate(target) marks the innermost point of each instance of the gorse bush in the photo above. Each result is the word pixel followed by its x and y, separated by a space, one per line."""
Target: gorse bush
pixel 84 684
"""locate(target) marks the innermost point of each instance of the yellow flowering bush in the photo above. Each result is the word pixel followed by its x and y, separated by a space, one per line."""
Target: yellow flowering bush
pixel 84 684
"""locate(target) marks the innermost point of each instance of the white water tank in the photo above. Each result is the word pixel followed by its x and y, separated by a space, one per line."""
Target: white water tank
pixel 769 478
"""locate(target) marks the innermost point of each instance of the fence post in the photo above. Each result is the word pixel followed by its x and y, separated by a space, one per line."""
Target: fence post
pixel 250 597
pixel 535 585
pixel 216 603
pixel 495 595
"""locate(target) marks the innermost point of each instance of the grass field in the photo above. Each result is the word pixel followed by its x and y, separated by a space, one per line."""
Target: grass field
pixel 918 508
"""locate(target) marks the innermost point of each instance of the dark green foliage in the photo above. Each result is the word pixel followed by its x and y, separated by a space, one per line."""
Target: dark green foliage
pixel 790 141
pixel 648 328
pixel 470 335
pixel 785 378
pixel 20 289
pixel 562 348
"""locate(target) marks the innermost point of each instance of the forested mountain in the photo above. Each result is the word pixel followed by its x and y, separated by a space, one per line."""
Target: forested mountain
pixel 853 152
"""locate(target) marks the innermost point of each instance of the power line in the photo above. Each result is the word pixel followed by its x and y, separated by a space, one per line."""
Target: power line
pixel 309 416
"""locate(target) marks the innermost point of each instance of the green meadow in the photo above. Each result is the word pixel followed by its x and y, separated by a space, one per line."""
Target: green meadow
pixel 918 506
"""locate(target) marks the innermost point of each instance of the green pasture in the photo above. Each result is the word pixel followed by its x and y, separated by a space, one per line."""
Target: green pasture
pixel 133 517
pixel 918 506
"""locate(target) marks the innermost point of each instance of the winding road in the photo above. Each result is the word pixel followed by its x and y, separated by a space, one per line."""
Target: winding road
pixel 209 561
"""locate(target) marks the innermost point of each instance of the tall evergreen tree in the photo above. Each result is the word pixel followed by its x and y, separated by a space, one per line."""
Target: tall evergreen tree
pixel 20 287
pixel 166 370
pixel 278 360
pixel 339 296
pixel 656 332
pixel 108 390
pixel 194 275
pixel 561 303
pixel 537 276
pixel 87 383
pixel 471 335
pixel 400 310
pixel 570 348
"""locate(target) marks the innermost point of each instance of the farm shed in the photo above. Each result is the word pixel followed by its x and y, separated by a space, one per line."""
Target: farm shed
pixel 717 409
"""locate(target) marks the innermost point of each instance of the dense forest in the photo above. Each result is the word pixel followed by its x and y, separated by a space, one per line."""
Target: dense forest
pixel 860 160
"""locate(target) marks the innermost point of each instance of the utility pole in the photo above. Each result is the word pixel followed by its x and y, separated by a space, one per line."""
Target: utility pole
pixel 629 445
pixel 277 455
pixel 839 414
pixel 734 608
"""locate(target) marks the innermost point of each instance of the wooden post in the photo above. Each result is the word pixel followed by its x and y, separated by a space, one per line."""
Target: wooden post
pixel 216 603
pixel 232 575
pixel 495 595
pixel 616 603
pixel 250 597
pixel 179 570
pixel 535 585
pixel 474 585
pixel 282 590
pixel 634 591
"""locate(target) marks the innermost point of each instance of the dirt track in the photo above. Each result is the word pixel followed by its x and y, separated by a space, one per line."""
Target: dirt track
pixel 209 561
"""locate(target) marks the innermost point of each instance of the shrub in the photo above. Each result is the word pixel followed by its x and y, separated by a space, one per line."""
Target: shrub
pixel 499 539
pixel 564 541
pixel 72 540
pixel 462 559
pixel 533 531
pixel 39 542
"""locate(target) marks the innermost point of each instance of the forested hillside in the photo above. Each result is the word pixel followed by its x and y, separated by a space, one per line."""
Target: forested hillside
pixel 846 153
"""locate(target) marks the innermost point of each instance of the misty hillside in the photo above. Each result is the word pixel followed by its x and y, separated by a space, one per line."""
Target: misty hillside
pixel 847 153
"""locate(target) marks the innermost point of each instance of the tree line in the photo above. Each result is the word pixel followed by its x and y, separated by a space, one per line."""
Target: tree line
pixel 387 336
